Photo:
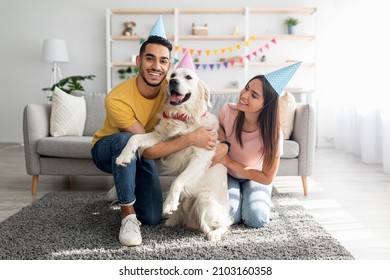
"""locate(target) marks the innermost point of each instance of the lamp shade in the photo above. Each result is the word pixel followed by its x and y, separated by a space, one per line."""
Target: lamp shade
pixel 54 50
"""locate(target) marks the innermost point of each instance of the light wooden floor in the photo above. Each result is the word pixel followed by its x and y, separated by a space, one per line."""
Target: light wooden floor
pixel 350 199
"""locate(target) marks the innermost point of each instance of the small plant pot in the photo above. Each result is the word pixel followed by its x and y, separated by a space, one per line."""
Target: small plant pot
pixel 291 29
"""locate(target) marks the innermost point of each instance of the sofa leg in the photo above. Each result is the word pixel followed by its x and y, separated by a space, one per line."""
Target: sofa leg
pixel 70 182
pixel 304 184
pixel 34 184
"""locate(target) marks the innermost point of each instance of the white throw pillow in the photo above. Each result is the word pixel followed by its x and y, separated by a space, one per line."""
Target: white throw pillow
pixel 68 114
pixel 287 106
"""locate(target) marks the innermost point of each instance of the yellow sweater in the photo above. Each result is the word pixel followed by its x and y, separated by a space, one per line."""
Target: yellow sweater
pixel 125 106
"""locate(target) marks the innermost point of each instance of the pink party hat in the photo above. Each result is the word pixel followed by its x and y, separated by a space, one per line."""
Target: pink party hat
pixel 280 78
pixel 158 28
pixel 186 62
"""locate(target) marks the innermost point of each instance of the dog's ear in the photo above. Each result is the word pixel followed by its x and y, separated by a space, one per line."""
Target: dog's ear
pixel 206 92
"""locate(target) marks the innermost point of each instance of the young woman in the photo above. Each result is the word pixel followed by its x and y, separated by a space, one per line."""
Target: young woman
pixel 251 128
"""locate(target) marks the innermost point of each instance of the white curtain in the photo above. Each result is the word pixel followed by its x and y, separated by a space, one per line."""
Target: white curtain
pixel 355 76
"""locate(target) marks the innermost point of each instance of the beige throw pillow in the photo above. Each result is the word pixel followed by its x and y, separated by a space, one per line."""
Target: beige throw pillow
pixel 68 114
pixel 287 106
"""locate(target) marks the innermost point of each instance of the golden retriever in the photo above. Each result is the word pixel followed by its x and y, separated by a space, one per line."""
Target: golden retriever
pixel 198 196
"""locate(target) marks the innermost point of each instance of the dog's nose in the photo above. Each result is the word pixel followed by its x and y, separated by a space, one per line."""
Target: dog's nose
pixel 173 82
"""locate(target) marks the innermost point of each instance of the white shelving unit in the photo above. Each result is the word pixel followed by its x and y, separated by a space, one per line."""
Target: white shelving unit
pixel 262 24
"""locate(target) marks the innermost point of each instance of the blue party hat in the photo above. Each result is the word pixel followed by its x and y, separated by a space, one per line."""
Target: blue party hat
pixel 280 78
pixel 158 29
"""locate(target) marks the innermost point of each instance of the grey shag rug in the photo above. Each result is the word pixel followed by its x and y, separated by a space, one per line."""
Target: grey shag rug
pixel 78 225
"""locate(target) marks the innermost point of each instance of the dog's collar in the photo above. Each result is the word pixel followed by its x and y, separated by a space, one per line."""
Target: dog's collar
pixel 182 117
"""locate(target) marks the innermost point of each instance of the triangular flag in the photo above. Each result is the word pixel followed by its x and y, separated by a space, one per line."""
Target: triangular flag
pixel 280 78
pixel 158 29
pixel 186 62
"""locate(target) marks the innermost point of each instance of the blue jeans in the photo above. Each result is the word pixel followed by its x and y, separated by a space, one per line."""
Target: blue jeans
pixel 139 179
pixel 250 202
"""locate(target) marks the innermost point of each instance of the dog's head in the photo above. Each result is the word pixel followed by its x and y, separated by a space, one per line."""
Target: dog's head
pixel 187 94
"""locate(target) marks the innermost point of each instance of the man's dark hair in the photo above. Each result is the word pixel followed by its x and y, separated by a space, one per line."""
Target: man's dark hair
pixel 155 40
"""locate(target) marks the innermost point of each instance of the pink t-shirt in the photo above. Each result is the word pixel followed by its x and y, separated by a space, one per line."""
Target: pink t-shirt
pixel 251 153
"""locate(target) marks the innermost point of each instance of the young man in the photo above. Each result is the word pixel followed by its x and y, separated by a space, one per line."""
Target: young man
pixel 132 107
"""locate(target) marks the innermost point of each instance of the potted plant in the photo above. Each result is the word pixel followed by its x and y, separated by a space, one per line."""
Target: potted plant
pixel 291 24
pixel 126 73
pixel 69 84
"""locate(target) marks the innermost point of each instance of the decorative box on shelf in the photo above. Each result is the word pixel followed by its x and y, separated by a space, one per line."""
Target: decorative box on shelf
pixel 199 30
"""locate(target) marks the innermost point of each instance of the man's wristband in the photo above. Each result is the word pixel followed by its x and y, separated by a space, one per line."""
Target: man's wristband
pixel 227 143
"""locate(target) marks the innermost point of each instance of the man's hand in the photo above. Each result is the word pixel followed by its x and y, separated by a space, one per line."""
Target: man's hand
pixel 204 137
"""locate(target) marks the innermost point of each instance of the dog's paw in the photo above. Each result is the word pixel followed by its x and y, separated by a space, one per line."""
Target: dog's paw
pixel 214 236
pixel 170 222
pixel 169 207
pixel 112 195
pixel 125 158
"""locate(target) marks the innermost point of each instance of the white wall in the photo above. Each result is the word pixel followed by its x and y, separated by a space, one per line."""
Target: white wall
pixel 24 24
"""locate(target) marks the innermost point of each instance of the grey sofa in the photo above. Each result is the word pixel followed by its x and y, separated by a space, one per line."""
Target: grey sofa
pixel 70 155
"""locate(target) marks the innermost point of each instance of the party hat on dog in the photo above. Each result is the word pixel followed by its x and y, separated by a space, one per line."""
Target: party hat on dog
pixel 280 78
pixel 186 62
pixel 158 28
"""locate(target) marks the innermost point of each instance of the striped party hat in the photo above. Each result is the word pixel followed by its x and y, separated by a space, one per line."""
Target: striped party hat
pixel 158 28
pixel 186 62
pixel 280 78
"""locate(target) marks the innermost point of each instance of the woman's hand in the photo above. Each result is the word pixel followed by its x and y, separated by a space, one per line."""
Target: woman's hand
pixel 220 154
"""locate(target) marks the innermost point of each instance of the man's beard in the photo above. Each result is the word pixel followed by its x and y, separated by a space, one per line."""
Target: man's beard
pixel 150 84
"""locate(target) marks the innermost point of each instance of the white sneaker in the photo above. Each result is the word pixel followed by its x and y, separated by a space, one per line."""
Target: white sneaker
pixel 130 233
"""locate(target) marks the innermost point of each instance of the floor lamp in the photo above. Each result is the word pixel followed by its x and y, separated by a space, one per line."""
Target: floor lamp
pixel 54 51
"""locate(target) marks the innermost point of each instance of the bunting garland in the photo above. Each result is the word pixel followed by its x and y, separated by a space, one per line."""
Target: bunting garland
pixel 229 63
pixel 207 52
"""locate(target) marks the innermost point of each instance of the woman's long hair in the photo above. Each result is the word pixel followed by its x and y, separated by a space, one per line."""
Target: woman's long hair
pixel 268 122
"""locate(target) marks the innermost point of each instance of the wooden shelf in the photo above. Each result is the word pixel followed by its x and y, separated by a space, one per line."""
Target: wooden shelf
pixel 142 11
pixel 303 10
pixel 122 64
pixel 211 37
pixel 286 37
pixel 131 38
pixel 240 11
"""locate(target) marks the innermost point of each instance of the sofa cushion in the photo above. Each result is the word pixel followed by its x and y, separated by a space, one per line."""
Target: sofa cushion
pixel 68 114
pixel 290 149
pixel 65 147
pixel 96 112
pixel 287 106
